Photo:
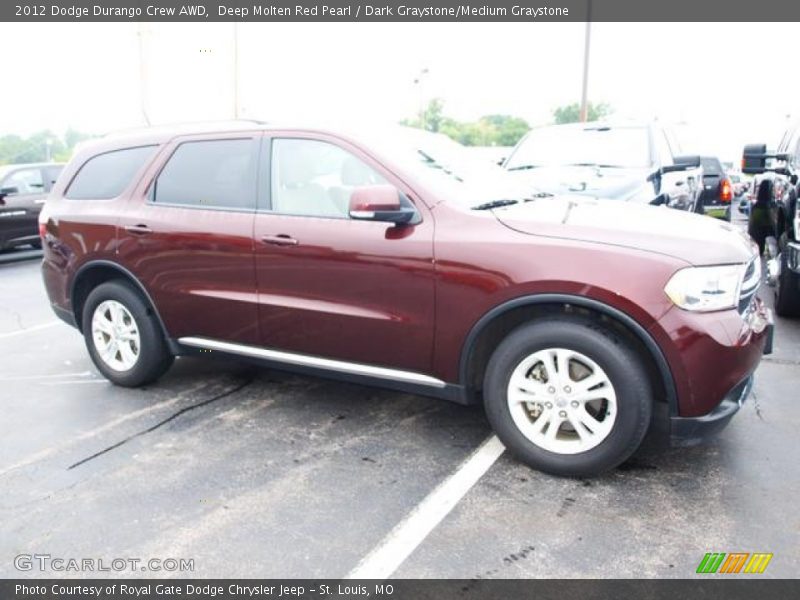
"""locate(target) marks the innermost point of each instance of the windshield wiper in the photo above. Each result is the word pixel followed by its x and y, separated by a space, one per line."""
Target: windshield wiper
pixel 494 204
pixel 523 167
pixel 591 164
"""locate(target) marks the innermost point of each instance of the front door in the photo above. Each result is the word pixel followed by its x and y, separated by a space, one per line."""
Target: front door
pixel 331 286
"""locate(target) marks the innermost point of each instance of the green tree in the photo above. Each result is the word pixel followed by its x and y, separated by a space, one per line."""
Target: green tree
pixel 429 118
pixel 490 130
pixel 571 113
pixel 508 130
pixel 37 147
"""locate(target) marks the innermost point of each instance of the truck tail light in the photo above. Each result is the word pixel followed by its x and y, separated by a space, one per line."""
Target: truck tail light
pixel 725 191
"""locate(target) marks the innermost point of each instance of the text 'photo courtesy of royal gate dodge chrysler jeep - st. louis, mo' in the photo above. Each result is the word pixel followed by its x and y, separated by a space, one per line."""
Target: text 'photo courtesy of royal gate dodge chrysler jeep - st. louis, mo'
pixel 393 257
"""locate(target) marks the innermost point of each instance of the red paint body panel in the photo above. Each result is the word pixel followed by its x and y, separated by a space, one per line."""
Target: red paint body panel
pixel 368 292
pixel 709 353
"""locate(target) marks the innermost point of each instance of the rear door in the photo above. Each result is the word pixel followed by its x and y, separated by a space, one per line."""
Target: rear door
pixel 187 234
pixel 24 191
pixel 331 286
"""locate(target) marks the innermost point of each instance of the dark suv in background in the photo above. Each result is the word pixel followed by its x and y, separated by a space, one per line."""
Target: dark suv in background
pixel 23 189
pixel 393 257
pixel 717 191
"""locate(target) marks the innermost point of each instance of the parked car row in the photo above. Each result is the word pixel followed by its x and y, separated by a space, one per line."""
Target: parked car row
pixel 774 219
pixel 394 258
pixel 630 162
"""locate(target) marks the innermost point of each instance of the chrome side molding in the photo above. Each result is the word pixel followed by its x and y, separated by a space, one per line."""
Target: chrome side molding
pixel 313 361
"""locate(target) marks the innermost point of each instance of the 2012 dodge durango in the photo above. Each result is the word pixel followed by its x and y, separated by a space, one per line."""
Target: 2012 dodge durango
pixel 392 257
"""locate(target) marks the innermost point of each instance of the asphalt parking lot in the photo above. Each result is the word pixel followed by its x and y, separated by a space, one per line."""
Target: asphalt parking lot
pixel 256 473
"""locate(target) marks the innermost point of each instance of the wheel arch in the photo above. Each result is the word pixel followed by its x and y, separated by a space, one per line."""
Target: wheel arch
pixel 92 274
pixel 502 319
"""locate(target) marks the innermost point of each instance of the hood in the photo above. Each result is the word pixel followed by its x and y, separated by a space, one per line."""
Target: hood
pixel 604 182
pixel 695 239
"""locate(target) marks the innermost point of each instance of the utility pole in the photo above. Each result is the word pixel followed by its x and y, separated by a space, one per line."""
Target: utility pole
pixel 236 70
pixel 586 45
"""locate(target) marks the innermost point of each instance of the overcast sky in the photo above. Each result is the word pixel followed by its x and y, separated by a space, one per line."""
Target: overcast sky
pixel 706 77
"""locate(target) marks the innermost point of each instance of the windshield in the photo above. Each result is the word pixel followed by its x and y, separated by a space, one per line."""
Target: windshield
pixel 583 145
pixel 450 169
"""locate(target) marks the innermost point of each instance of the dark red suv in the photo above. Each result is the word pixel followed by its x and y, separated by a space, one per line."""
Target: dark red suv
pixel 392 257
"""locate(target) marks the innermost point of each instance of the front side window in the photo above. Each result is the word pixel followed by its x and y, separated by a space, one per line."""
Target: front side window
pixel 24 181
pixel 214 174
pixel 314 178
pixel 107 175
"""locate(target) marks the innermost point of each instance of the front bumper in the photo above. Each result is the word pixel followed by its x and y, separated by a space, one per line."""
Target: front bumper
pixel 719 211
pixel 687 431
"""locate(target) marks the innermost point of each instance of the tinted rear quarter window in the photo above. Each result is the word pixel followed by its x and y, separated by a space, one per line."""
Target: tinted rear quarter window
pixel 711 167
pixel 214 173
pixel 107 175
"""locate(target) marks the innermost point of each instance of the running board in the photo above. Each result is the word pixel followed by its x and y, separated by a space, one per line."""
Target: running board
pixel 304 360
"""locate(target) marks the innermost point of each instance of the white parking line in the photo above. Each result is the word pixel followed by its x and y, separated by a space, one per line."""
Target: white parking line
pixel 415 527
pixel 29 329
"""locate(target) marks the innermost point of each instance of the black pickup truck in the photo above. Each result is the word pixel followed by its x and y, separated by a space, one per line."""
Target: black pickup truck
pixel 774 220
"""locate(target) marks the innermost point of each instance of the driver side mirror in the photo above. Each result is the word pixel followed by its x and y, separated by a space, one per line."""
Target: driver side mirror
pixel 8 191
pixel 754 159
pixel 381 203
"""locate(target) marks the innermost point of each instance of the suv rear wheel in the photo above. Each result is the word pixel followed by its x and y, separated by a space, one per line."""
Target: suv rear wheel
pixel 568 396
pixel 123 337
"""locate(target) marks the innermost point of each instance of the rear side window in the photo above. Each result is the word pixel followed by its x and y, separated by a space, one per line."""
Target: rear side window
pixel 215 174
pixel 711 166
pixel 107 175
pixel 24 182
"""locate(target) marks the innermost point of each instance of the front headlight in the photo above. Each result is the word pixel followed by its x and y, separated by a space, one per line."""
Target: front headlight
pixel 703 289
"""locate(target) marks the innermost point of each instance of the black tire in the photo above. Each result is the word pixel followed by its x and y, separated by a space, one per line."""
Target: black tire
pixel 787 291
pixel 154 357
pixel 613 353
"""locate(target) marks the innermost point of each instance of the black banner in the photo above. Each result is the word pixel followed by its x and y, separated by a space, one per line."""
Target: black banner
pixel 733 588
pixel 531 11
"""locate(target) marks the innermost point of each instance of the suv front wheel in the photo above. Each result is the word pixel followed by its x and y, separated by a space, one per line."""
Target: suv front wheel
pixel 123 337
pixel 568 396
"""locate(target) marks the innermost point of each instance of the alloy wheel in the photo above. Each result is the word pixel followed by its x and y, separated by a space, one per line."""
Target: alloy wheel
pixel 562 401
pixel 116 335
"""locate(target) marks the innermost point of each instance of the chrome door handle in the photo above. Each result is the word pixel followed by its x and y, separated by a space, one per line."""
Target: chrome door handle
pixel 279 240
pixel 139 229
